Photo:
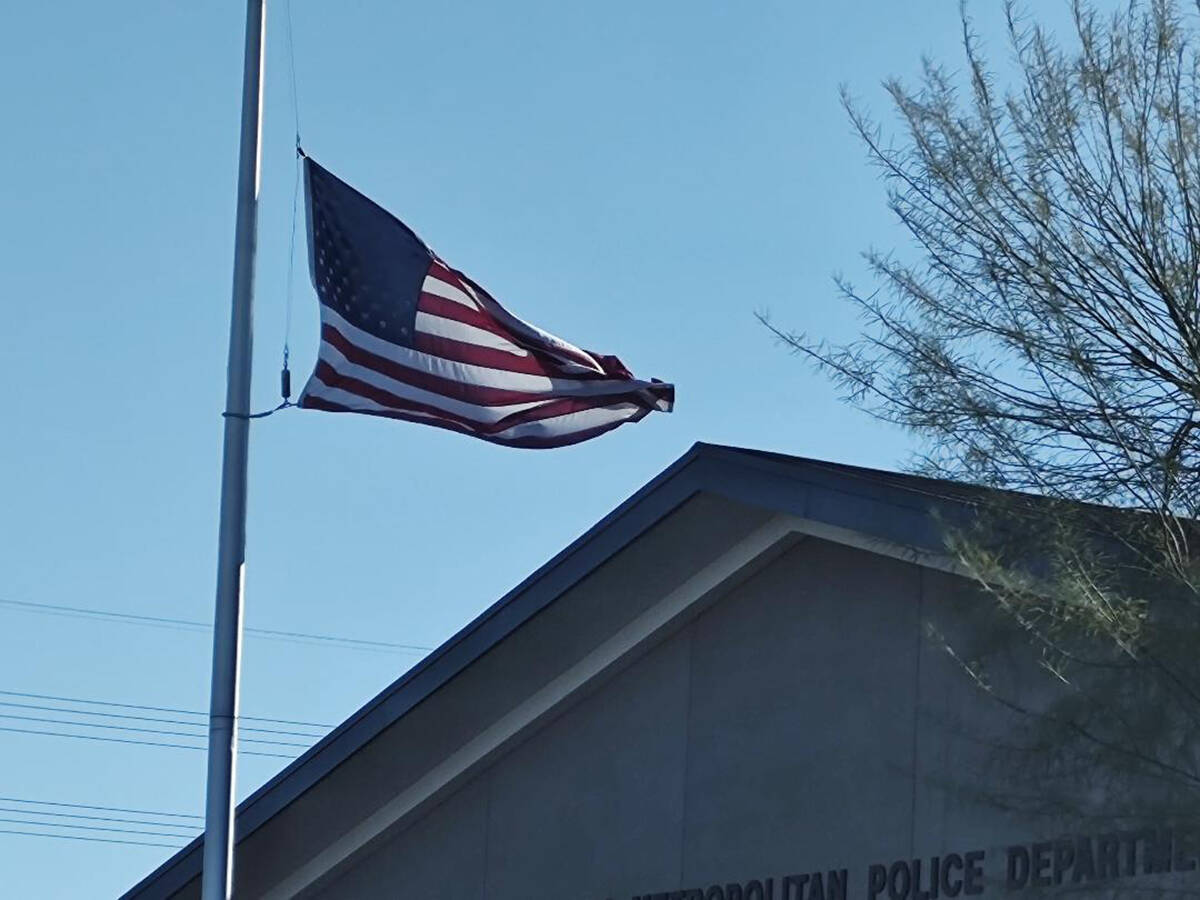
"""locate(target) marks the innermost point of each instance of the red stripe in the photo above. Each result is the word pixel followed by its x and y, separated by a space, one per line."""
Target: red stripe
pixel 549 410
pixel 488 357
pixel 539 442
pixel 440 270
pixel 451 309
pixel 549 364
pixel 479 395
pixel 311 402
pixel 330 377
pixel 532 339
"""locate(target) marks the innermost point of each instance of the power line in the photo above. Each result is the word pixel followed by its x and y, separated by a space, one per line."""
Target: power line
pixel 99 829
pixel 181 831
pixel 166 709
pixel 139 730
pixel 158 719
pixel 95 828
pixel 121 809
pixel 61 815
pixel 117 740
pixel 348 643
pixel 90 840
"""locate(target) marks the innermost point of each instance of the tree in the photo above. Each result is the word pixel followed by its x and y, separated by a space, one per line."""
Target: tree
pixel 1045 337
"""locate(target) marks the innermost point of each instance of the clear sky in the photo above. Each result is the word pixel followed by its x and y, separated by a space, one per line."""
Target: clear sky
pixel 637 177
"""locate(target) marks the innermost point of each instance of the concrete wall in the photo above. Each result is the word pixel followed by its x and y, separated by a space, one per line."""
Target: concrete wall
pixel 783 731
pixel 804 736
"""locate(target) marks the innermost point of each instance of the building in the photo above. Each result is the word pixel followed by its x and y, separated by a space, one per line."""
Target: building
pixel 725 690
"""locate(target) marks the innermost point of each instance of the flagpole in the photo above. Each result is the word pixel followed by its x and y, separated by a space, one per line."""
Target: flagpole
pixel 227 626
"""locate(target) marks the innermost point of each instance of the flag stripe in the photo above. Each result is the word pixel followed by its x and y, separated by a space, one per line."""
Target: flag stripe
pixel 479 412
pixel 441 271
pixel 518 329
pixel 549 409
pixel 476 384
pixel 570 429
pixel 446 290
pixel 436 326
pixel 531 335
pixel 437 306
pixel 485 357
pixel 415 396
pixel 448 309
pixel 446 384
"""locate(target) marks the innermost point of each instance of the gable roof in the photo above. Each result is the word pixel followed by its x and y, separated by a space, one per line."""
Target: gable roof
pixel 864 506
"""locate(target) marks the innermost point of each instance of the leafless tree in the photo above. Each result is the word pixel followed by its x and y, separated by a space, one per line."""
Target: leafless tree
pixel 1042 335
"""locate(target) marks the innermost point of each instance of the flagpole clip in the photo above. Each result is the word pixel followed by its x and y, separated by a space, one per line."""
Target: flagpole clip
pixel 286 404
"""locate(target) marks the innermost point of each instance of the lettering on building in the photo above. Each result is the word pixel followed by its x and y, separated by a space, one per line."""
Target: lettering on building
pixel 1066 862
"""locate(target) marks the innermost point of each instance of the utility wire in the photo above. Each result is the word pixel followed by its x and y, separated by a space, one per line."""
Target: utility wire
pixel 107 715
pixel 348 643
pixel 120 809
pixel 95 828
pixel 61 815
pixel 200 735
pixel 117 740
pixel 90 840
pixel 167 709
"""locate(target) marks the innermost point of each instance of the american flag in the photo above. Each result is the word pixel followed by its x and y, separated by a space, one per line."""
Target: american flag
pixel 406 336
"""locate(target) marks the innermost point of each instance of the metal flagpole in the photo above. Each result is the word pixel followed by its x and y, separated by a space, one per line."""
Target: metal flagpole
pixel 227 630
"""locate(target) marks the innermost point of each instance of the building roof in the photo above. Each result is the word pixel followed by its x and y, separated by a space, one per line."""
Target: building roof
pixel 875 507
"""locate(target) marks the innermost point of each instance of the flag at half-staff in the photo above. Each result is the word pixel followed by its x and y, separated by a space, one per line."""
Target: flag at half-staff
pixel 405 335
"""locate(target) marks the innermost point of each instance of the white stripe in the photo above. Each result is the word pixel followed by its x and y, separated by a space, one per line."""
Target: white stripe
pixel 321 391
pixel 441 288
pixel 480 376
pixel 554 427
pixel 560 426
pixel 427 323
pixel 475 412
pixel 564 351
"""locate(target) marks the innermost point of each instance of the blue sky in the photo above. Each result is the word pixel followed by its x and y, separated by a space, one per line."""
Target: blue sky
pixel 636 177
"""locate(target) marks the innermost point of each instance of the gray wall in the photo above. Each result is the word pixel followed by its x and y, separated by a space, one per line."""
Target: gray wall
pixel 783 731
pixel 805 722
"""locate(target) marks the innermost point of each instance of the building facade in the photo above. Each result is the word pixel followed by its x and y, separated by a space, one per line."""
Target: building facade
pixel 734 687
